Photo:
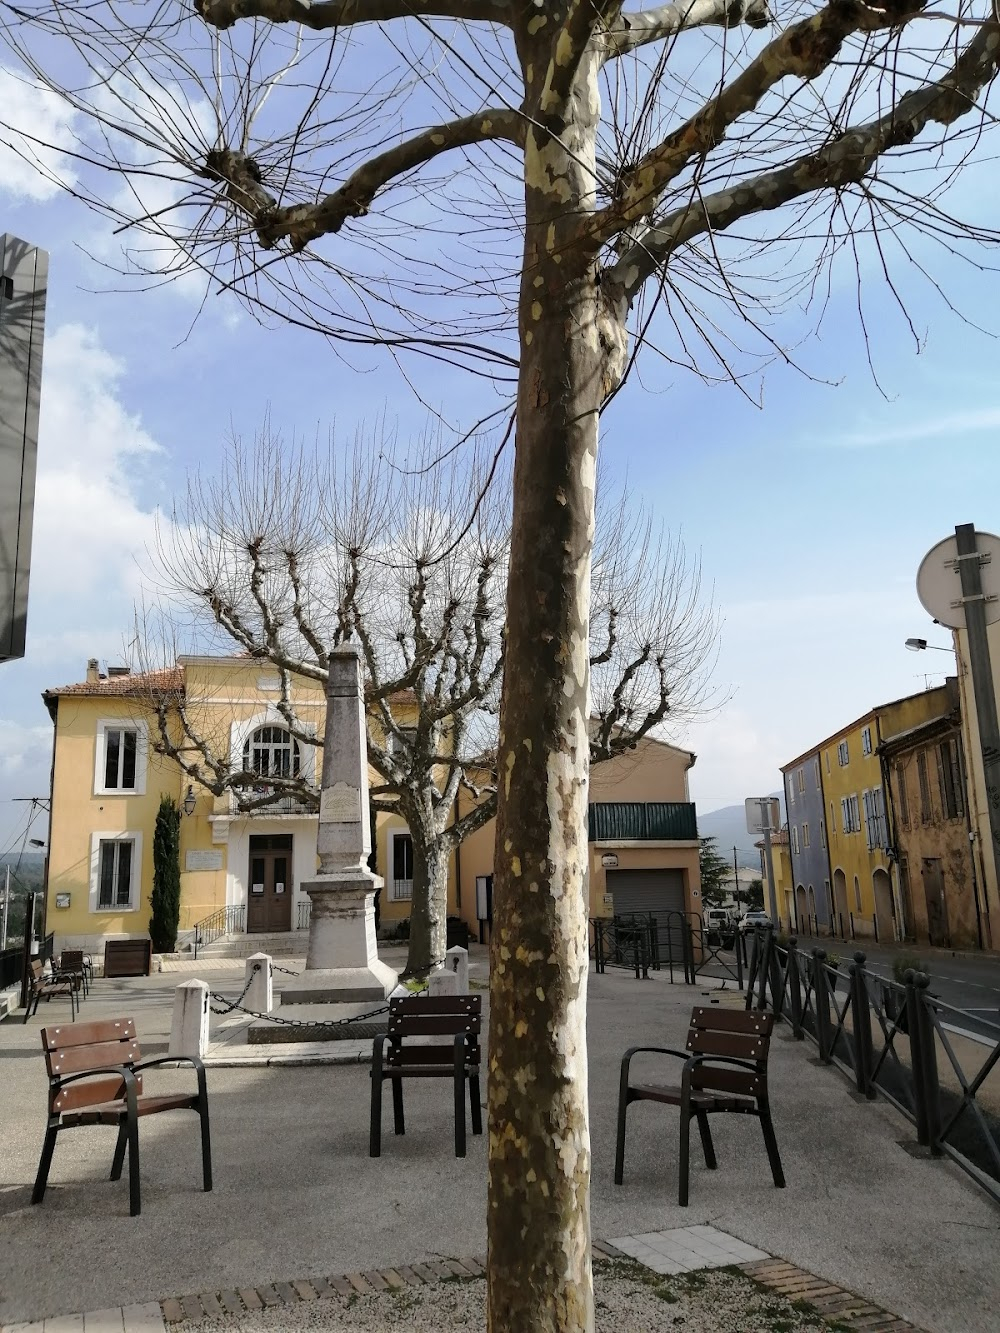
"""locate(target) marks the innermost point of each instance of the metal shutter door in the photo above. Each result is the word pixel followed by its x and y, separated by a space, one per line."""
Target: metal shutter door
pixel 646 891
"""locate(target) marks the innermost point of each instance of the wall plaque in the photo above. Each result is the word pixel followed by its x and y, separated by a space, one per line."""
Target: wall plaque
pixel 203 861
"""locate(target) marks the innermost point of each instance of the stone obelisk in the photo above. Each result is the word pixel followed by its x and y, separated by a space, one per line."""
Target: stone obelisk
pixel 342 965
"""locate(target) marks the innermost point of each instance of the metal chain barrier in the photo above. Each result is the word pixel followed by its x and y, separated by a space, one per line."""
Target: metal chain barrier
pixel 288 971
pixel 234 1004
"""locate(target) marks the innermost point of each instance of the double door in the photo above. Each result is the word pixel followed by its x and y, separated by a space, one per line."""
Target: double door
pixel 269 896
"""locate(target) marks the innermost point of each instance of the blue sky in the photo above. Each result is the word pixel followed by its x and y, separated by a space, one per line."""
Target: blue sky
pixel 811 511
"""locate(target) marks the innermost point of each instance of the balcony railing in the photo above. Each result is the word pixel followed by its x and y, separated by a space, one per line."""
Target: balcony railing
pixel 400 889
pixel 281 805
pixel 642 821
pixel 229 920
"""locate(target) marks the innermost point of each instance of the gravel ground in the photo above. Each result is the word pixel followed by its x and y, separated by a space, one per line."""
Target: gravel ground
pixel 628 1296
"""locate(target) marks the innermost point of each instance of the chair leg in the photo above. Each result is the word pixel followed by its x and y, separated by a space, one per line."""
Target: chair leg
pixel 708 1147
pixel 375 1132
pixel 44 1162
pixel 27 1009
pixel 623 1103
pixel 398 1119
pixel 206 1144
pixel 475 1104
pixel 460 1095
pixel 120 1146
pixel 685 1157
pixel 133 1166
pixel 771 1143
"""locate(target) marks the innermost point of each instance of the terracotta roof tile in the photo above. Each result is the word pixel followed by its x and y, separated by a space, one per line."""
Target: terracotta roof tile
pixel 171 678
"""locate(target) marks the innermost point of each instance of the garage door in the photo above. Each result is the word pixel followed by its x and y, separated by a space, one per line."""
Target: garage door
pixel 646 891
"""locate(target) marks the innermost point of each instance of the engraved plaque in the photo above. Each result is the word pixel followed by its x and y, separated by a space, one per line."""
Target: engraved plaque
pixel 203 861
pixel 340 804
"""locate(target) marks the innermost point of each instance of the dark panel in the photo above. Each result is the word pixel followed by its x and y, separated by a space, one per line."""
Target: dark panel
pixel 635 821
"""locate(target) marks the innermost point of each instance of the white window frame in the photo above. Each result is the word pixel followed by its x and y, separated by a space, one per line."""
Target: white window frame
pixel 141 729
pixel 395 895
pixel 135 897
pixel 805 835
pixel 866 740
pixel 843 754
pixel 802 778
pixel 241 731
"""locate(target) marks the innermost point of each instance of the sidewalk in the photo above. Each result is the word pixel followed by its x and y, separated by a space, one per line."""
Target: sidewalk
pixel 297 1197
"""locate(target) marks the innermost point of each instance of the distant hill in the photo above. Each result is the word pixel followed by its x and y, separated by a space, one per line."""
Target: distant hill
pixel 728 827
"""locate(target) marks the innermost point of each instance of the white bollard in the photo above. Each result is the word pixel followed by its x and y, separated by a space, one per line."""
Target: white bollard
pixel 457 961
pixel 443 983
pixel 260 996
pixel 189 1023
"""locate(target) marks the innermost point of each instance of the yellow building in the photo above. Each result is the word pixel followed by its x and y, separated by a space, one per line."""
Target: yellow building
pixel 784 884
pixel 245 869
pixel 986 853
pixel 840 828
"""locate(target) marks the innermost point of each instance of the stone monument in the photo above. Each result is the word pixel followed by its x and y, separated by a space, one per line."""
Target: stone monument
pixel 342 964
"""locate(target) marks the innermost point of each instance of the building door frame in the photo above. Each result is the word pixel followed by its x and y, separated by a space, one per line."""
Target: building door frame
pixel 269 883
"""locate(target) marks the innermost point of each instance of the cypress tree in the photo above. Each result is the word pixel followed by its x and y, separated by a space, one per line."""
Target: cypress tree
pixel 166 897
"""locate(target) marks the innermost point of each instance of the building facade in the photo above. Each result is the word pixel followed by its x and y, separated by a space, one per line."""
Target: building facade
pixel 246 868
pixel 810 902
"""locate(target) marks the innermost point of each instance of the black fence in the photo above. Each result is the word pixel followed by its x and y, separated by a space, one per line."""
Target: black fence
pixel 226 921
pixel 11 966
pixel 644 942
pixel 893 1039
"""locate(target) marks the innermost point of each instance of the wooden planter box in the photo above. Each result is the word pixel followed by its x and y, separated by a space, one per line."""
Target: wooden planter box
pixel 128 958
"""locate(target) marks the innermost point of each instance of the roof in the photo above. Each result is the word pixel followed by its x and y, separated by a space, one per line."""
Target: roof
pixel 870 716
pixel 143 682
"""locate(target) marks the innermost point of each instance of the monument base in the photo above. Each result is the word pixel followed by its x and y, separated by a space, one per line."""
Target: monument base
pixel 341 985
pixel 262 1033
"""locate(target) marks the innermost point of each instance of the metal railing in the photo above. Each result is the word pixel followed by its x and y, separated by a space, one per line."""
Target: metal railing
pixel 225 921
pixel 644 941
pixel 11 966
pixel 302 913
pixel 892 1040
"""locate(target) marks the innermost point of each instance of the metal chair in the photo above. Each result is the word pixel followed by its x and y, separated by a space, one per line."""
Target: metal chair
pixel 725 1070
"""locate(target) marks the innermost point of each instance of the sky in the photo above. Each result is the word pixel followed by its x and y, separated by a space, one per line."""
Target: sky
pixel 811 509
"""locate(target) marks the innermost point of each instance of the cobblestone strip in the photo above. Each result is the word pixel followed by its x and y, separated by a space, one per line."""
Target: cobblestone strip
pixel 830 1302
pixel 210 1304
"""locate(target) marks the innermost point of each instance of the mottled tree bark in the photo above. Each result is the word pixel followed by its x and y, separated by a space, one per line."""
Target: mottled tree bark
pixel 539 1177
pixel 429 901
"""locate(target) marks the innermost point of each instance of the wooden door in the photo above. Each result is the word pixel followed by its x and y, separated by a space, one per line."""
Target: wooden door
pixel 269 887
pixel 937 906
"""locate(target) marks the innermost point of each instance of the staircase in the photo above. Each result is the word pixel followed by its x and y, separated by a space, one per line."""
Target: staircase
pixel 281 944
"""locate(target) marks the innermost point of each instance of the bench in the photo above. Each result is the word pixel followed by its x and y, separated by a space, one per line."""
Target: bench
pixel 95 1078
pixel 725 1070
pixel 458 1017
pixel 42 987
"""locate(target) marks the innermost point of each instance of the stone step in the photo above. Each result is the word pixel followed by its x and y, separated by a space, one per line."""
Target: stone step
pixel 288 944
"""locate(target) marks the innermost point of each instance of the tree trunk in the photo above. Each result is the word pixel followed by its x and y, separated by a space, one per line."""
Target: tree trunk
pixel 429 901
pixel 539 1171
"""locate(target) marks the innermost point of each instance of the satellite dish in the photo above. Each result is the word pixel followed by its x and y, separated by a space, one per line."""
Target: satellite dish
pixel 939 581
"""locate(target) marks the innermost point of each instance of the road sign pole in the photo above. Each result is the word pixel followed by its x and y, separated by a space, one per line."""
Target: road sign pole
pixel 772 897
pixel 982 677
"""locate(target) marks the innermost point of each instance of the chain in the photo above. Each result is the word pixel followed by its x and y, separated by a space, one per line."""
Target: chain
pixel 234 1004
pixel 296 1022
pixel 287 970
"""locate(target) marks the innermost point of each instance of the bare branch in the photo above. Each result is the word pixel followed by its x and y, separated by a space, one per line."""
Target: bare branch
pixel 643 26
pixel 332 14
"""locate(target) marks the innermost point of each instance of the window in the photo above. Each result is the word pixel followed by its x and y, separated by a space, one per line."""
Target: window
pixel 120 761
pixel 790 790
pixel 904 806
pixel 802 779
pixel 822 833
pixel 843 755
pixel 950 779
pixel 866 740
pixel 272 752
pixel 850 814
pixel 828 762
pixel 795 839
pixel 816 772
pixel 925 786
pixel 805 835
pixel 876 834
pixel 402 866
pixel 404 741
pixel 857 892
pixel 115 861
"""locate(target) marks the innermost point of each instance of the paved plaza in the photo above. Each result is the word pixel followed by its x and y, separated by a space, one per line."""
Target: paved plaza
pixel 297 1197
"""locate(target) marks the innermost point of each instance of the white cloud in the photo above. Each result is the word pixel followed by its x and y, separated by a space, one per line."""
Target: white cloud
pixel 36 133
pixel 951 425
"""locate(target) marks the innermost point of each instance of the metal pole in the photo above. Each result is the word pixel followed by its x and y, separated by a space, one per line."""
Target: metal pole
pixel 969 568
pixel 6 909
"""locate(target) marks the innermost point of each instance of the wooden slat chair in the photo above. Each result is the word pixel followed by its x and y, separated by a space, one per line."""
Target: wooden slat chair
pixel 458 1017
pixel 95 1078
pixel 42 987
pixel 73 963
pixel 725 1069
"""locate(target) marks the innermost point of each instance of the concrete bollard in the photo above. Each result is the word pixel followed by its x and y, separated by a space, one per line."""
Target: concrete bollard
pixel 443 983
pixel 189 1022
pixel 260 996
pixel 457 961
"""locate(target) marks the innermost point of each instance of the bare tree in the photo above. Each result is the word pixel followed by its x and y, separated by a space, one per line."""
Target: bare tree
pixel 576 168
pixel 286 552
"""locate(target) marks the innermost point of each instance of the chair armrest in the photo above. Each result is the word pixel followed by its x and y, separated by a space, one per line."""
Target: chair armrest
pixel 59 1081
pixel 168 1060
pixel 691 1064
pixel 651 1050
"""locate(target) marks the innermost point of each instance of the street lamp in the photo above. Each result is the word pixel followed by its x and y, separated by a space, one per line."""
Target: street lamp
pixel 918 646
pixel 190 801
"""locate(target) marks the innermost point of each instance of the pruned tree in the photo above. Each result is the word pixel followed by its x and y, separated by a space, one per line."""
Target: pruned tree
pixel 285 552
pixel 561 170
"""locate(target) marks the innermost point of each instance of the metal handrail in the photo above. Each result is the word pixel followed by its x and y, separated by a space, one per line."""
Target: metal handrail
pixel 224 921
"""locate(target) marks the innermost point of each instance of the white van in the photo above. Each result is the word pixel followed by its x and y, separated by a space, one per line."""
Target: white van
pixel 719 924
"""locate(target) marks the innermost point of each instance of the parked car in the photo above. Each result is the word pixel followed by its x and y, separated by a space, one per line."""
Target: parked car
pixel 751 920
pixel 719 925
